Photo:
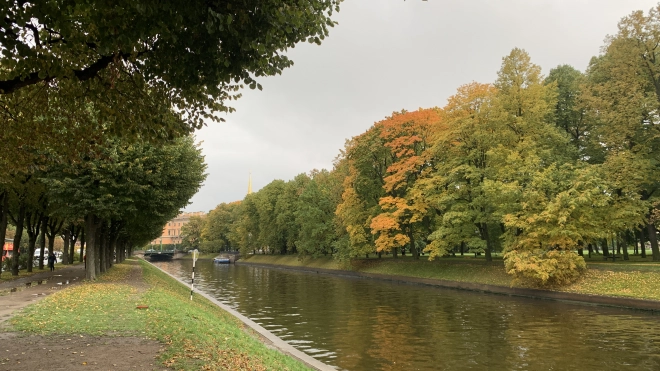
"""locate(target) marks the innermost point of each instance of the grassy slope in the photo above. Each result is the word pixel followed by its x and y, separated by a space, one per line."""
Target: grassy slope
pixel 200 335
pixel 636 278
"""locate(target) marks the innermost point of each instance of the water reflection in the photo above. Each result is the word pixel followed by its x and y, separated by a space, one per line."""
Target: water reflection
pixel 358 324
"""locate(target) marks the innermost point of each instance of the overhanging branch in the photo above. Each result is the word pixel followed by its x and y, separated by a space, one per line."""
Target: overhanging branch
pixel 10 86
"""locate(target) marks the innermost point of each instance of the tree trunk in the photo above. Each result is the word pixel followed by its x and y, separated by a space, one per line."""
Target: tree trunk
pixel 72 245
pixel 98 244
pixel 19 224
pixel 83 242
pixel 462 247
pixel 52 228
pixel 624 246
pixel 606 251
pixel 65 250
pixel 413 248
pixel 483 228
pixel 654 241
pixel 4 206
pixel 33 225
pixel 32 241
pixel 91 224
pixel 44 223
pixel 395 252
pixel 643 243
pixel 590 248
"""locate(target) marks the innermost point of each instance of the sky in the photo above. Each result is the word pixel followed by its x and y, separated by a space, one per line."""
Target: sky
pixel 381 57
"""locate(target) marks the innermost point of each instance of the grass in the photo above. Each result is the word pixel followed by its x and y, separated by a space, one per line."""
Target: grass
pixel 199 334
pixel 637 278
pixel 6 275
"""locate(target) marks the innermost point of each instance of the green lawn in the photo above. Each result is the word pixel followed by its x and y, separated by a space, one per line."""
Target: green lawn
pixel 635 278
pixel 199 334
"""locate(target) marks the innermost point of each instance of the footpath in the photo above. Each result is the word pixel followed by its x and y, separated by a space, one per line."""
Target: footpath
pixel 28 352
pixel 19 293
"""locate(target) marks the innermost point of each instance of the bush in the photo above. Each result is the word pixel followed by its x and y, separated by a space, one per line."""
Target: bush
pixel 544 268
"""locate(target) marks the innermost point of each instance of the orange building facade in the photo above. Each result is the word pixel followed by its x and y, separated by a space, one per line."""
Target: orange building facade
pixel 7 248
pixel 172 230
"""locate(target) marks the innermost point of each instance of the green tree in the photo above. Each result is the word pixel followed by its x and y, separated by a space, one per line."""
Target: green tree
pixel 191 234
pixel 218 230
pixel 623 99
pixel 196 53
pixel 455 186
pixel 569 112
pixel 315 215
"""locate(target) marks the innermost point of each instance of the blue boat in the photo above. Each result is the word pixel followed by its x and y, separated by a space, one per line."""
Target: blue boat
pixel 222 260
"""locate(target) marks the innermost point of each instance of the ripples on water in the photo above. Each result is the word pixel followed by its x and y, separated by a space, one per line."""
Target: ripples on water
pixel 359 324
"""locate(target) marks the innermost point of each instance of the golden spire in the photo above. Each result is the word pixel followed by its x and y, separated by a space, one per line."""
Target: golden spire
pixel 250 184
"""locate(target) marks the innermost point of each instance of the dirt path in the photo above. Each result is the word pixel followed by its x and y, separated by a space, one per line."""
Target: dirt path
pixel 22 292
pixel 24 352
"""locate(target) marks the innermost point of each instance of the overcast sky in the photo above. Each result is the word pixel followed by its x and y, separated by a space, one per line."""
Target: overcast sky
pixel 384 56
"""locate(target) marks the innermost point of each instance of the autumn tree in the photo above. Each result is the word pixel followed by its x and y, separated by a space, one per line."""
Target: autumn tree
pixel 530 160
pixel 405 216
pixel 366 160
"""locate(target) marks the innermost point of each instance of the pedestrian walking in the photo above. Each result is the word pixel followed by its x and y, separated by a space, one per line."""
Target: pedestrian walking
pixel 51 261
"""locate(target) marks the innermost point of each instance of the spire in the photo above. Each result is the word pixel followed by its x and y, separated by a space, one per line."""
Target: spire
pixel 250 184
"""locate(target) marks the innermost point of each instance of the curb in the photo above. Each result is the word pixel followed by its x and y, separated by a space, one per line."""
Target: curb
pixel 607 301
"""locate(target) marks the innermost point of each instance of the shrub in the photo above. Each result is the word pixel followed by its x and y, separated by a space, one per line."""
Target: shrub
pixel 544 268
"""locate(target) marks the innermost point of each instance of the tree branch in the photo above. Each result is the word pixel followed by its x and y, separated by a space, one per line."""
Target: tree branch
pixel 10 86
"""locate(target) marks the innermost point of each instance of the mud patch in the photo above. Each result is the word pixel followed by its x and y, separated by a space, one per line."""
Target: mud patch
pixel 19 352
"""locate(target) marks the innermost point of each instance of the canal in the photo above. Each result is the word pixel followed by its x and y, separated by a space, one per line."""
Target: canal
pixel 360 324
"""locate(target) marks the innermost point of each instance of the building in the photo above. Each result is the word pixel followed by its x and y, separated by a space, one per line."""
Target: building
pixel 7 248
pixel 172 230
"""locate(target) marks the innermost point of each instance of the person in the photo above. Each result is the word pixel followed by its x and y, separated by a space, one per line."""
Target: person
pixel 51 261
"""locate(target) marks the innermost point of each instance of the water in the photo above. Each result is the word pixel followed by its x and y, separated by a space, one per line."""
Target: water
pixel 360 324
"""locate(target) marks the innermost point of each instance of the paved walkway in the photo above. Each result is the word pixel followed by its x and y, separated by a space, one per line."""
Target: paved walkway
pixel 19 293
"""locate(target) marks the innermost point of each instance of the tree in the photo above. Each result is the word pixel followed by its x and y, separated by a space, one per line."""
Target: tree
pixel 405 216
pixel 197 53
pixel 315 215
pixel 570 110
pixel 191 233
pixel 218 233
pixel 530 162
pixel 129 193
pixel 462 164
pixel 366 160
pixel 623 96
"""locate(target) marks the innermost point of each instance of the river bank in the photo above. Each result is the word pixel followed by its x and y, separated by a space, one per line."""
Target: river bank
pixel 145 314
pixel 618 284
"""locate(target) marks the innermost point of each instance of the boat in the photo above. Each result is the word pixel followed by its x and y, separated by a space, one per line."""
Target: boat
pixel 221 260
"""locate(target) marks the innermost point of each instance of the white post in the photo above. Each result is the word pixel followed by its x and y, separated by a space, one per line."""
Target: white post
pixel 192 283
